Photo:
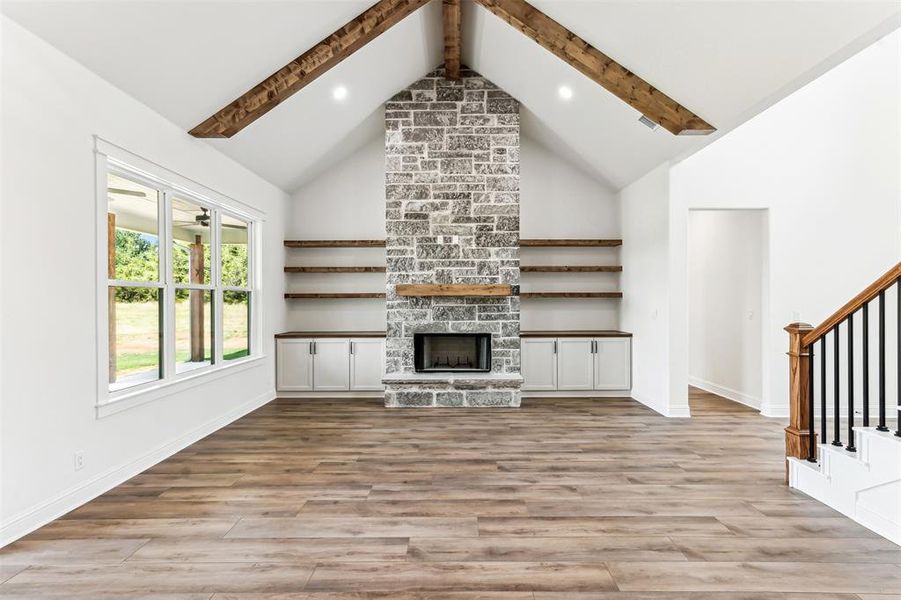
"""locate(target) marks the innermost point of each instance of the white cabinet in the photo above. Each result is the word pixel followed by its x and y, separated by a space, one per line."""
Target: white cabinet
pixel 575 364
pixel 570 364
pixel 294 364
pixel 331 364
pixel 366 363
pixel 539 364
pixel 612 364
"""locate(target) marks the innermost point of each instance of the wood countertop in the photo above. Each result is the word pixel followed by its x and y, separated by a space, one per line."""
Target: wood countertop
pixel 576 333
pixel 378 334
pixel 330 334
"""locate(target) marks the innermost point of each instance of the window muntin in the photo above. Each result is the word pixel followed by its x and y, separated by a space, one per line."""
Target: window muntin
pixel 186 264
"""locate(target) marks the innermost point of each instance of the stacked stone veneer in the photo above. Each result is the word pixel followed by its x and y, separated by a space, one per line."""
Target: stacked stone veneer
pixel 452 210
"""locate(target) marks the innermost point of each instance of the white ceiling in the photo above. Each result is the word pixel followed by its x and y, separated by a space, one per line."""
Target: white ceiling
pixel 724 60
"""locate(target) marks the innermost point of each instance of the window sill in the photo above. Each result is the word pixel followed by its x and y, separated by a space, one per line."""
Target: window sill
pixel 184 382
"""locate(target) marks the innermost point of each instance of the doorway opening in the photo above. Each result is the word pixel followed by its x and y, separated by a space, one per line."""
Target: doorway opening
pixel 727 275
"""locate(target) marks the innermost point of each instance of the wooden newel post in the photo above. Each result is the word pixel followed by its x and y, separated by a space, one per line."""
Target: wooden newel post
pixel 797 436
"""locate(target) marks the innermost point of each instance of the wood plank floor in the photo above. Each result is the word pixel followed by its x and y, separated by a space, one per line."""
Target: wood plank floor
pixel 580 499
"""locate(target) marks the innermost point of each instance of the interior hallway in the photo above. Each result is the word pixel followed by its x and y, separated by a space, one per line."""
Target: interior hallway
pixel 558 497
pixel 704 403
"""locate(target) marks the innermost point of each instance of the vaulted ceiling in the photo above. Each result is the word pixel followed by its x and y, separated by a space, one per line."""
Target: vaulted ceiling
pixel 725 61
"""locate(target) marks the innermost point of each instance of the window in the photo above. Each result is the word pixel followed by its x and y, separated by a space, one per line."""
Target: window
pixel 192 227
pixel 135 286
pixel 236 292
pixel 179 281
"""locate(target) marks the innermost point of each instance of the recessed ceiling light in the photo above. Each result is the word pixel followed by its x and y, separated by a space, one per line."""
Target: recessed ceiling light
pixel 565 92
pixel 339 93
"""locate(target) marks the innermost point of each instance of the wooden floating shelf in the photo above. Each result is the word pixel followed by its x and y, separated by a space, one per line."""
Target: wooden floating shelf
pixel 453 289
pixel 571 295
pixel 334 243
pixel 334 269
pixel 557 243
pixel 572 269
pixel 333 295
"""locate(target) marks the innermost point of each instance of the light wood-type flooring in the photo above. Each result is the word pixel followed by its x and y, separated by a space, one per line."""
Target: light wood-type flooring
pixel 583 499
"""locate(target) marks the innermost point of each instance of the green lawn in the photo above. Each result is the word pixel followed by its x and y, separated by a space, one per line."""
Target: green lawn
pixel 137 334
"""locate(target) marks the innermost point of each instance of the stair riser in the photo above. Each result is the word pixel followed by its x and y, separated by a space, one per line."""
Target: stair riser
pixel 865 486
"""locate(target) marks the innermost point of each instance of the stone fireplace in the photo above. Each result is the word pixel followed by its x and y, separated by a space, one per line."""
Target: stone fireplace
pixel 452 210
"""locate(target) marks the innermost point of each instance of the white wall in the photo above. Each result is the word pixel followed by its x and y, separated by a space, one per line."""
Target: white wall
pixel 558 200
pixel 52 108
pixel 347 201
pixel 825 163
pixel 647 271
pixel 726 254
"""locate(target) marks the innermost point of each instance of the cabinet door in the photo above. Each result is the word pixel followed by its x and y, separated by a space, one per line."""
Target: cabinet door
pixel 539 364
pixel 613 364
pixel 575 364
pixel 294 364
pixel 366 363
pixel 331 364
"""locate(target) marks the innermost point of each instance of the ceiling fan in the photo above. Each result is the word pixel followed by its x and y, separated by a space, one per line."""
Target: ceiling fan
pixel 203 220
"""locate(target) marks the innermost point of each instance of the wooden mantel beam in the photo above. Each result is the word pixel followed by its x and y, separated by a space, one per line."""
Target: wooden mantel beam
pixel 305 68
pixel 452 31
pixel 597 66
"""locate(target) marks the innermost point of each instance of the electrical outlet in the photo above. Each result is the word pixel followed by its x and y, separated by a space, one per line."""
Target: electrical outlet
pixel 79 461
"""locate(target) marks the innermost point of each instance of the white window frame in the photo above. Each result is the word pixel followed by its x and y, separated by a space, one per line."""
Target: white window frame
pixel 113 159
pixel 172 287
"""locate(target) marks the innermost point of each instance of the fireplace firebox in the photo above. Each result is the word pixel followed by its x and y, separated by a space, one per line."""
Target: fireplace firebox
pixel 452 352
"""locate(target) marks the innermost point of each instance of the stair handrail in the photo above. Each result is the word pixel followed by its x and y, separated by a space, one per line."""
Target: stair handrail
pixel 871 291
pixel 800 438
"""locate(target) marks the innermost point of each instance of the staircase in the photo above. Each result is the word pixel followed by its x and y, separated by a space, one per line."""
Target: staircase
pixel 864 485
pixel 839 381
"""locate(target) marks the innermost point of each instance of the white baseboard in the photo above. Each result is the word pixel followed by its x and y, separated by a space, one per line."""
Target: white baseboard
pixel 31 519
pixel 726 392
pixel 678 412
pixel 776 412
pixel 652 404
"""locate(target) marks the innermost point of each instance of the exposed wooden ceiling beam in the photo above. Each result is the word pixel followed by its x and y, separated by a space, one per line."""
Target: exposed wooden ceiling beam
pixel 452 30
pixel 305 68
pixel 597 66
